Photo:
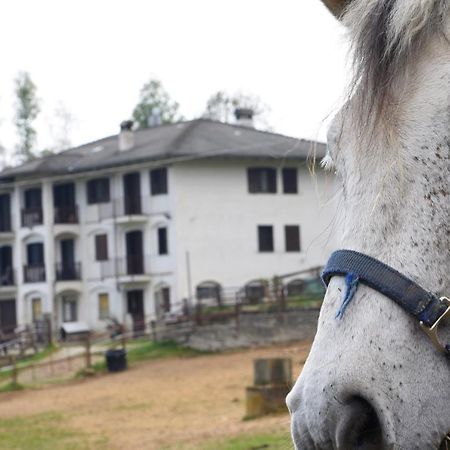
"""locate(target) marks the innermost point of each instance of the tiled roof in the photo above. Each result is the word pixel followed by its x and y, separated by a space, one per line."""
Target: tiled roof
pixel 196 139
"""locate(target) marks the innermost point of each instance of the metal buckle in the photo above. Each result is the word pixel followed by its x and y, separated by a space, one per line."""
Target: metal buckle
pixel 432 331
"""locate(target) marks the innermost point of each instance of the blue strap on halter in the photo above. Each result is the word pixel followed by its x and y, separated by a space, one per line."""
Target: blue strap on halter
pixel 360 268
pixel 351 286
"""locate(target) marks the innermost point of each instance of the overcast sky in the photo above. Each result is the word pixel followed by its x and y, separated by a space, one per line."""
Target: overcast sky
pixel 92 57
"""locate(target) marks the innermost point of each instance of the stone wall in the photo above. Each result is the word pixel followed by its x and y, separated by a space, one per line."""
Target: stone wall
pixel 255 329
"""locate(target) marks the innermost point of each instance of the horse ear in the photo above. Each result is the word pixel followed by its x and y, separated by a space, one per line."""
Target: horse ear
pixel 337 7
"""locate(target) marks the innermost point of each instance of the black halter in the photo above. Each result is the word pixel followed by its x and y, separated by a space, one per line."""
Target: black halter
pixel 429 309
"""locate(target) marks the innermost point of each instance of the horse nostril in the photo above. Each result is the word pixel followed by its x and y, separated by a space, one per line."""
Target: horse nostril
pixel 358 426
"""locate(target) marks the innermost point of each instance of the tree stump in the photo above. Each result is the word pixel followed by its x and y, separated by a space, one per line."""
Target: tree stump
pixel 272 382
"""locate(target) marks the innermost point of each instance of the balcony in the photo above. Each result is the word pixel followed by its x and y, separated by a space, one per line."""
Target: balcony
pixel 68 272
pixel 34 274
pixel 66 215
pixel 32 217
pixel 7 277
pixel 129 266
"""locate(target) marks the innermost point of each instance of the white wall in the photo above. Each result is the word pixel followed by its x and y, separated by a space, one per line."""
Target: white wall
pixel 217 218
pixel 208 213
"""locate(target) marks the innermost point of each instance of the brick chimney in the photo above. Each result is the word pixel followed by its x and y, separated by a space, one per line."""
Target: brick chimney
pixel 126 136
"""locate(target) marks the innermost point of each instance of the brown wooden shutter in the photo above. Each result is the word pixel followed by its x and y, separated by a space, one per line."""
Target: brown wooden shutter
pixel 292 237
pixel 101 247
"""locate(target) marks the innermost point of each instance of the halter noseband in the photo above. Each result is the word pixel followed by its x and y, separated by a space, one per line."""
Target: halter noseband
pixel 425 306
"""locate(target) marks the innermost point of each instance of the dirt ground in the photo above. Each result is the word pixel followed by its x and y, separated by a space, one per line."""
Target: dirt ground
pixel 172 403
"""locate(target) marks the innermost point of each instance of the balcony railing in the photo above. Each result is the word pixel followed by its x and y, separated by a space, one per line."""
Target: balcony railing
pixel 7 277
pixel 34 274
pixel 122 207
pixel 68 272
pixel 67 214
pixel 31 217
pixel 126 266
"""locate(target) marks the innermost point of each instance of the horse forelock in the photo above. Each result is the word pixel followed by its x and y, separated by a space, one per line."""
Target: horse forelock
pixel 387 37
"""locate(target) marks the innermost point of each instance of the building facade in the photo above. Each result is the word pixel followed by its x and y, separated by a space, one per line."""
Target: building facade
pixel 135 226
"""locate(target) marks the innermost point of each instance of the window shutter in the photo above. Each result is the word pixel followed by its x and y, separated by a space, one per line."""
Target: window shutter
pixel 162 241
pixel 292 238
pixel 103 306
pixel 252 176
pixel 158 181
pixel 272 177
pixel 265 238
pixel 290 181
pixel 101 247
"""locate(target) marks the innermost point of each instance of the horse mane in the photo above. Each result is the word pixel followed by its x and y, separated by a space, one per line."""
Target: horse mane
pixel 387 36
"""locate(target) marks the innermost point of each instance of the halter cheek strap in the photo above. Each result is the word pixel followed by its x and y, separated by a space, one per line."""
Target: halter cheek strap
pixel 429 309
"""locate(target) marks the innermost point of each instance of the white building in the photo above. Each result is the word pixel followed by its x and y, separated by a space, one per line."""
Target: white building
pixel 133 224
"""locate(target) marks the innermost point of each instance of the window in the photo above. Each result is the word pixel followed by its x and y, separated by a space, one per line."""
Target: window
pixel 158 181
pixel 209 290
pixel 36 306
pixel 295 288
pixel 262 181
pixel 292 238
pixel 265 238
pixel 103 306
pixel 162 241
pixel 101 247
pixel 290 181
pixel 98 191
pixel 255 292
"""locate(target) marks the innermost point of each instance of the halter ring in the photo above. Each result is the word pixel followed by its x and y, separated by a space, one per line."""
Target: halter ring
pixel 432 331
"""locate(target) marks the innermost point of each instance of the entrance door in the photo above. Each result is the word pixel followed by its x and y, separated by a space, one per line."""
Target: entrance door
pixel 6 266
pixel 69 308
pixel 135 253
pixel 68 267
pixel 8 320
pixel 64 202
pixel 5 212
pixel 35 271
pixel 32 214
pixel 135 307
pixel 132 193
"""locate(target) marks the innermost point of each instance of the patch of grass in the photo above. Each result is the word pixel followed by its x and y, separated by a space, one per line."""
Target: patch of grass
pixel 142 350
pixel 28 360
pixel 43 432
pixel 11 387
pixel 266 441
pixel 146 349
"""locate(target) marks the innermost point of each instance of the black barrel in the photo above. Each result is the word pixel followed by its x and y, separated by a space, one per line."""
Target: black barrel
pixel 116 360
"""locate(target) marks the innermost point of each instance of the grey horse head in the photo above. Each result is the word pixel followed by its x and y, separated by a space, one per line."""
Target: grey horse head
pixel 373 380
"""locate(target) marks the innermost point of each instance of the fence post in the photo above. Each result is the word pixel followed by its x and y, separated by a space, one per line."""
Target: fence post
pixel 88 351
pixel 237 311
pixel 48 325
pixel 198 312
pixel 14 369
pixel 153 330
pixel 123 339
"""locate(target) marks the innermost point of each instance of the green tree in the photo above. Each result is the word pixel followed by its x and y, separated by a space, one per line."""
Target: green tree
pixel 155 106
pixel 27 109
pixel 221 106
